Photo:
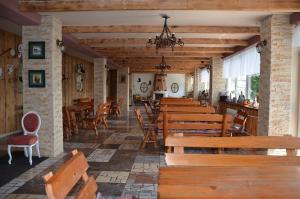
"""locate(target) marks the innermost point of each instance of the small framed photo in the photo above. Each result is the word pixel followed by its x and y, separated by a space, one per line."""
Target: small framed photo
pixel 36 78
pixel 36 50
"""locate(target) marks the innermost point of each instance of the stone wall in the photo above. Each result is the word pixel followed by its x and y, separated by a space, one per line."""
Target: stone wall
pixel 123 89
pixel 218 83
pixel 275 81
pixel 100 75
pixel 46 101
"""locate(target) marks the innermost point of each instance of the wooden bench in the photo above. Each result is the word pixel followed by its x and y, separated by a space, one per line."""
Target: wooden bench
pixel 59 184
pixel 170 99
pixel 252 142
pixel 214 125
pixel 180 103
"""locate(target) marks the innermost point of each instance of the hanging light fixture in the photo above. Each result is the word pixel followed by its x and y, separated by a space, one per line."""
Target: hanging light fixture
pixel 163 65
pixel 166 39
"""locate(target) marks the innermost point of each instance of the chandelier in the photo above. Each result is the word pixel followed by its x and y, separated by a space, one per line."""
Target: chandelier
pixel 163 65
pixel 166 38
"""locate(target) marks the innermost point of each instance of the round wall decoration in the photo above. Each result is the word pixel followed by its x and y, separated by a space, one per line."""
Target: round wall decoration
pixel 144 87
pixel 174 87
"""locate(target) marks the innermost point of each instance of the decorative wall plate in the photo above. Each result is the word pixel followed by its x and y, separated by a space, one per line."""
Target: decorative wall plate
pixel 144 87
pixel 174 87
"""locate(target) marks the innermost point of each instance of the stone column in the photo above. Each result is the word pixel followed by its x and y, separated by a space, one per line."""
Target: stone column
pixel 123 88
pixel 196 83
pixel 218 83
pixel 46 101
pixel 275 76
pixel 100 75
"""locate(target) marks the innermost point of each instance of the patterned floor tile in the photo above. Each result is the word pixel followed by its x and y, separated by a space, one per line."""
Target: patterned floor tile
pixel 130 145
pixel 116 138
pixel 75 145
pixel 113 176
pixel 101 155
pixel 145 167
pixel 142 191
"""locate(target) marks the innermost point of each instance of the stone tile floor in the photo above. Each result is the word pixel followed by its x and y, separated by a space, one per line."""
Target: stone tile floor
pixel 120 167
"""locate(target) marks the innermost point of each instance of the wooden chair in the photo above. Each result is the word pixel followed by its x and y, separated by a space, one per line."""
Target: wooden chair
pixel 94 121
pixel 31 123
pixel 150 114
pixel 116 107
pixel 59 184
pixel 68 123
pixel 239 123
pixel 148 129
pixel 207 125
pixel 180 158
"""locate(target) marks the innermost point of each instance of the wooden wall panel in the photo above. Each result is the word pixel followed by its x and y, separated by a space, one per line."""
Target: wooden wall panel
pixel 10 87
pixel 69 85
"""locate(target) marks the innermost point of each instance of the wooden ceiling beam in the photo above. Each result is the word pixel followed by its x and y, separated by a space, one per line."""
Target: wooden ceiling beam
pixel 173 65
pixel 167 50
pixel 160 54
pixel 157 29
pixel 228 5
pixel 123 42
pixel 253 40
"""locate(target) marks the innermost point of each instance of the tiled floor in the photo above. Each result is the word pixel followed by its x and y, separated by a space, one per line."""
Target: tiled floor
pixel 120 167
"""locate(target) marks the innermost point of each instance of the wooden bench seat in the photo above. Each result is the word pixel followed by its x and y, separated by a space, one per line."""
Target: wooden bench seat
pixel 59 184
pixel 215 125
pixel 180 158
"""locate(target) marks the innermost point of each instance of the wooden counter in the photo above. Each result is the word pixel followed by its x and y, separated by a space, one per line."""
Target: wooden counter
pixel 251 124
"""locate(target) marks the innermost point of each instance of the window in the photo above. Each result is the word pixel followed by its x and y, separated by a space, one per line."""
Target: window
pixel 248 85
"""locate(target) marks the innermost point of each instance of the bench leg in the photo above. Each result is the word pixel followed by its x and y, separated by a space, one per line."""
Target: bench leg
pixel 9 153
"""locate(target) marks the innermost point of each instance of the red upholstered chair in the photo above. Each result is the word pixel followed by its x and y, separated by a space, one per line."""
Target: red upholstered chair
pixel 31 123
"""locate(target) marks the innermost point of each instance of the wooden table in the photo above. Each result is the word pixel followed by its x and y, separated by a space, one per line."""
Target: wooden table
pixel 230 182
pixel 77 114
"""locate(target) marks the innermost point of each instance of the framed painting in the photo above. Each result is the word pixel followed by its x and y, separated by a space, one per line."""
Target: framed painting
pixel 36 50
pixel 36 78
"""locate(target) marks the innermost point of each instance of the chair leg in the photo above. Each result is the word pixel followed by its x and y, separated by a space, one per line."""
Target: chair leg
pixel 38 148
pixel 9 153
pixel 145 140
pixel 25 152
pixel 30 155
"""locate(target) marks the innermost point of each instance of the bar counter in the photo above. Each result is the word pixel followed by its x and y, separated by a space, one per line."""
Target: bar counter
pixel 251 124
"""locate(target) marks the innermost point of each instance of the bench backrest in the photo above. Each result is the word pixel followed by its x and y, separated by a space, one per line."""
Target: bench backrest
pixel 290 144
pixel 186 109
pixel 168 99
pixel 180 103
pixel 196 124
pixel 59 184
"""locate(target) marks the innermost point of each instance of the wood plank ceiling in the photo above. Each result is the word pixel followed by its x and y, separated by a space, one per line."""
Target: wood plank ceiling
pixel 125 44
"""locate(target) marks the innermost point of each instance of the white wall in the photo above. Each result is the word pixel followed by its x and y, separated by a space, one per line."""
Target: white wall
pixel 180 80
pixel 146 77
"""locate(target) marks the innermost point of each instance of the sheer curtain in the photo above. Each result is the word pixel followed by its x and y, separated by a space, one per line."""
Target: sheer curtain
pixel 245 63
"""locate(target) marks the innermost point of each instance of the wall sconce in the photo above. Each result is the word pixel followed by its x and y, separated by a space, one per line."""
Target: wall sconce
pixel 260 46
pixel 139 79
pixel 150 82
pixel 60 44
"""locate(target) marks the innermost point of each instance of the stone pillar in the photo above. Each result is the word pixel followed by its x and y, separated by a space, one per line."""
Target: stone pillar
pixel 123 88
pixel 46 101
pixel 100 75
pixel 275 76
pixel 196 83
pixel 218 83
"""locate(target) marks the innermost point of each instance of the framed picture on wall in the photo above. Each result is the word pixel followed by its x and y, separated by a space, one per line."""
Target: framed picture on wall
pixel 36 79
pixel 36 50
